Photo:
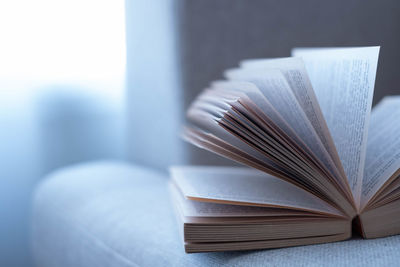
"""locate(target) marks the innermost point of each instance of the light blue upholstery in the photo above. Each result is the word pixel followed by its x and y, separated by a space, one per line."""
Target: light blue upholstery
pixel 115 214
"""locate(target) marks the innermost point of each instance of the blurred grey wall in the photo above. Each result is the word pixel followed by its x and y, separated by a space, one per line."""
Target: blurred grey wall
pixel 205 37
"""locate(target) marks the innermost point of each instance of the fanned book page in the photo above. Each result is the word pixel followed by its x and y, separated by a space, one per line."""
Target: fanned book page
pixel 300 124
pixel 343 81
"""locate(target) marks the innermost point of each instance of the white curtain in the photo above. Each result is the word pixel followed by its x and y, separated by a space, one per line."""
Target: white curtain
pixel 62 67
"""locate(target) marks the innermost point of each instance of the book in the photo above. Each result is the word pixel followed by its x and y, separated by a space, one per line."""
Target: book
pixel 319 165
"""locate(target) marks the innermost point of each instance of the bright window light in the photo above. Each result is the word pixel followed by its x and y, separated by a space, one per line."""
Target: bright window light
pixel 62 40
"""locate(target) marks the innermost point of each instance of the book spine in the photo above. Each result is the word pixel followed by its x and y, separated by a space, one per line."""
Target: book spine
pixel 358 227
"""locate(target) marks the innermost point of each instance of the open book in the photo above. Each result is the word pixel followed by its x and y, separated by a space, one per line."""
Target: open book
pixel 321 162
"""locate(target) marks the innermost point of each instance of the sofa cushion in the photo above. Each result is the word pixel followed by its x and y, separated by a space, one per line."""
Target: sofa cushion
pixel 116 214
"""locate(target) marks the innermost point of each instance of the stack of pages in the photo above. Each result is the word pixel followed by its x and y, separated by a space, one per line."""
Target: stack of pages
pixel 321 163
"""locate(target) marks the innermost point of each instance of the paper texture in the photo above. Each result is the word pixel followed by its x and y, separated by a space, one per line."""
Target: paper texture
pixel 244 186
pixel 255 95
pixel 383 148
pixel 274 86
pixel 295 73
pixel 192 208
pixel 214 133
pixel 343 80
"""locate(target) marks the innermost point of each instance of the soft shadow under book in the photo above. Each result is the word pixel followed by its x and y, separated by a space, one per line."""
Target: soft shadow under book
pixel 319 164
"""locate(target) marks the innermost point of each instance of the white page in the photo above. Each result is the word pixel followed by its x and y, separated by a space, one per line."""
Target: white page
pixel 343 81
pixel 274 86
pixel 192 208
pixel 383 148
pixel 294 71
pixel 208 123
pixel 245 186
pixel 255 95
pixel 292 173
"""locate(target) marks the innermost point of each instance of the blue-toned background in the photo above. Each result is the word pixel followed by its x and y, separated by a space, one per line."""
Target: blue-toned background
pixel 82 80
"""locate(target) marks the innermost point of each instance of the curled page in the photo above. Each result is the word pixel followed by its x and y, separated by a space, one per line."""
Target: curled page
pixel 294 71
pixel 383 148
pixel 274 86
pixel 243 186
pixel 192 208
pixel 343 80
